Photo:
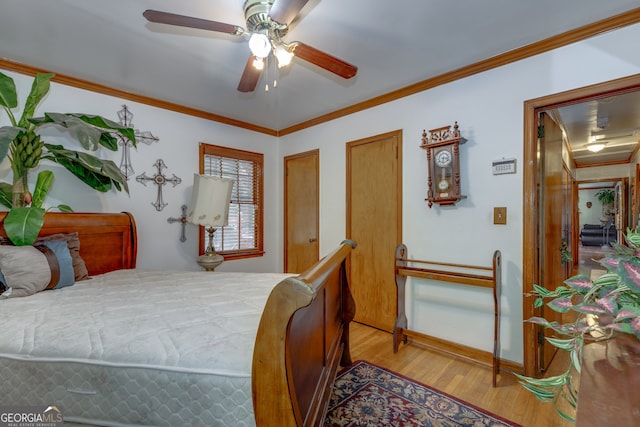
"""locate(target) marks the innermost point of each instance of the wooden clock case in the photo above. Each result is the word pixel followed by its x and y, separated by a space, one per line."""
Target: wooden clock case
pixel 443 157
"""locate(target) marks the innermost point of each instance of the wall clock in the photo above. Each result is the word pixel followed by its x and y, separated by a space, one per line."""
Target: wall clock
pixel 443 157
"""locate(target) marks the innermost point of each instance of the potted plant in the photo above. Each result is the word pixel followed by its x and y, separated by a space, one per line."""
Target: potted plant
pixel 21 143
pixel 604 307
pixel 606 196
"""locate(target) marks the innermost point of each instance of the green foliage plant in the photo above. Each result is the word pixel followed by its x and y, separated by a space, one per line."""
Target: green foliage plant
pixel 603 307
pixel 606 196
pixel 22 144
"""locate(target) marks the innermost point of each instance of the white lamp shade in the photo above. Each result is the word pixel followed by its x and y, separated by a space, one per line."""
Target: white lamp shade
pixel 210 201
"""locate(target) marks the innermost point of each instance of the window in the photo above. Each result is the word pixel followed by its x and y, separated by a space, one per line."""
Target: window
pixel 242 237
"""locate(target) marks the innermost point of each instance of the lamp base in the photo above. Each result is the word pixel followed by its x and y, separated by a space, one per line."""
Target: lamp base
pixel 209 261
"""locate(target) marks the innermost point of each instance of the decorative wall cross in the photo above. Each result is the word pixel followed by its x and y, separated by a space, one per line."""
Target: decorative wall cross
pixel 159 180
pixel 183 222
pixel 146 137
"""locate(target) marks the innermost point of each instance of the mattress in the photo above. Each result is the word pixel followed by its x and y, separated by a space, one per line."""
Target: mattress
pixel 132 347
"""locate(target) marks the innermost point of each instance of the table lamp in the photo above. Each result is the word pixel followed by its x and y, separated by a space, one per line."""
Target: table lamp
pixel 210 208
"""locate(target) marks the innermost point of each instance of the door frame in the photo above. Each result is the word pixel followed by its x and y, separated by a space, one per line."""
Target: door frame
pixel 530 197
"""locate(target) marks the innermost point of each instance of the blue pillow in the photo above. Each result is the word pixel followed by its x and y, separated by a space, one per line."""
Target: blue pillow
pixel 61 250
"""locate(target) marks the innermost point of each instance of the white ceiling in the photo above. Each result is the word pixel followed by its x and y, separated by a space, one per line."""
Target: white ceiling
pixel 393 43
pixel 612 120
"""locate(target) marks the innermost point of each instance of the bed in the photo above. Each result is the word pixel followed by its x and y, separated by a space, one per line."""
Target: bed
pixel 220 348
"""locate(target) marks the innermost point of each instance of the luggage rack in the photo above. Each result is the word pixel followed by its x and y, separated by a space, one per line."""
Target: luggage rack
pixel 452 273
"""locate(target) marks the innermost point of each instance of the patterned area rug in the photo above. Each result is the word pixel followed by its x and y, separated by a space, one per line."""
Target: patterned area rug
pixel 368 395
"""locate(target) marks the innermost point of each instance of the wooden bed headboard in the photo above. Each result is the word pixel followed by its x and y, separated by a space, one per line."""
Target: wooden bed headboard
pixel 108 241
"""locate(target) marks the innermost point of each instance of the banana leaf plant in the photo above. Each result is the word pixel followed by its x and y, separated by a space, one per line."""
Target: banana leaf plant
pixel 606 306
pixel 22 144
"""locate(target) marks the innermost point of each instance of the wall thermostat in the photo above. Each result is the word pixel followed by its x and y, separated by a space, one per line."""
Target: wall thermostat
pixel 503 166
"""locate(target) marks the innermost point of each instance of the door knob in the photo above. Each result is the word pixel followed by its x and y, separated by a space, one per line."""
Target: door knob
pixel 313 240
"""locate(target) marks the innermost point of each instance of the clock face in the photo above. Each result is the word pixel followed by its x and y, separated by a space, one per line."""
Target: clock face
pixel 443 158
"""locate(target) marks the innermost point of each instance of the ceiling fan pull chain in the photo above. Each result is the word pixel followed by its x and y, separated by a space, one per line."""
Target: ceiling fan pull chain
pixel 266 85
pixel 275 71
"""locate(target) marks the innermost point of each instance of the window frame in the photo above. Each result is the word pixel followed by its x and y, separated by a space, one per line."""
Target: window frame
pixel 258 160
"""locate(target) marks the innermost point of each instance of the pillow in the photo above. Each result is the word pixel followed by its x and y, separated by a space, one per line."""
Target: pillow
pixel 73 243
pixel 31 269
pixel 65 262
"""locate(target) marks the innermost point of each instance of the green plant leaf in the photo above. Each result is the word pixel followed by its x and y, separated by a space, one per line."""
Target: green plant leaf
pixel 103 123
pixel 6 194
pixel 580 282
pixel 109 141
pixel 64 208
pixel 628 312
pixel 43 185
pixel 560 304
pixel 564 344
pixel 539 321
pixel 91 131
pixel 589 309
pixel 39 89
pixel 543 292
pixel 540 393
pixel 575 356
pixel 97 173
pixel 8 94
pixel 7 135
pixel 23 225
pixel 606 195
pixel 554 381
pixel 629 272
pixel 88 136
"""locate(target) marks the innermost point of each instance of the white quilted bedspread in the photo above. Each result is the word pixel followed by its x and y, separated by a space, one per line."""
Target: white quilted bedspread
pixel 161 336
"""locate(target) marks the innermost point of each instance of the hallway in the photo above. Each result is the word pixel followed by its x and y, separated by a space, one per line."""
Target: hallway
pixel 588 257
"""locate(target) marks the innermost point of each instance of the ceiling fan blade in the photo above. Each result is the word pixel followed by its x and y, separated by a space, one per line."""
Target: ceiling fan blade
pixel 324 60
pixel 285 11
pixel 190 22
pixel 250 76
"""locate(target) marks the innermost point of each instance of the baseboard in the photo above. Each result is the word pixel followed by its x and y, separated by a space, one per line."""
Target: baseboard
pixel 461 351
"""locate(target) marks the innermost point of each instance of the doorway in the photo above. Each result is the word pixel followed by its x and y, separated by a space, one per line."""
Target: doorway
pixel 534 249
pixel 374 222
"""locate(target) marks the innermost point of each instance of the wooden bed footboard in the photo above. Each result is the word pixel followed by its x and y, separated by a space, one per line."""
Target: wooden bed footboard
pixel 302 339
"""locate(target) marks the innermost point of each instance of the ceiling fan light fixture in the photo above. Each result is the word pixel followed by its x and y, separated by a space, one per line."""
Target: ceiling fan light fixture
pixel 260 45
pixel 258 63
pixel 283 55
pixel 596 146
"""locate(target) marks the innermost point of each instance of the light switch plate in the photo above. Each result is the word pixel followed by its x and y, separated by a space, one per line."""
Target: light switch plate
pixel 500 215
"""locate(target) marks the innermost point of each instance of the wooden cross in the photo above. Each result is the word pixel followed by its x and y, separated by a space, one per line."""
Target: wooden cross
pixel 159 180
pixel 183 222
pixel 146 137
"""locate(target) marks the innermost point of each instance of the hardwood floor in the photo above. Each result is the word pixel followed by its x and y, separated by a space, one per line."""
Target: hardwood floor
pixel 588 256
pixel 465 380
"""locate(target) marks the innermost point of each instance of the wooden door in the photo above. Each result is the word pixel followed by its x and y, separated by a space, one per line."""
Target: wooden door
pixel 553 221
pixel 301 190
pixel 374 222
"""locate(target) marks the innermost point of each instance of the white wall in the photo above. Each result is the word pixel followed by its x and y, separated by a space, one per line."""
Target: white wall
pixel 180 135
pixel 489 110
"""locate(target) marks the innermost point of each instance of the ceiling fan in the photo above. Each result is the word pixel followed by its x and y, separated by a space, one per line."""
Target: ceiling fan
pixel 267 24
